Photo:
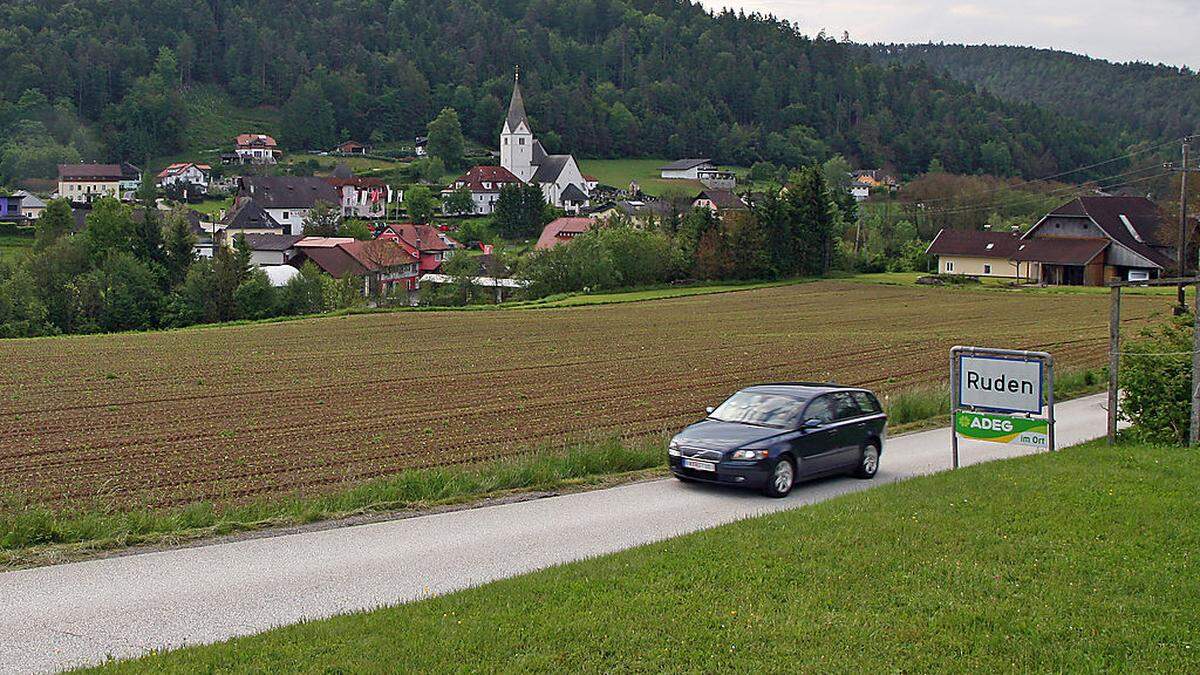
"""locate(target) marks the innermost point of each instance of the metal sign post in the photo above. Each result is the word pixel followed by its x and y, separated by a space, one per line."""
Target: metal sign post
pixel 987 386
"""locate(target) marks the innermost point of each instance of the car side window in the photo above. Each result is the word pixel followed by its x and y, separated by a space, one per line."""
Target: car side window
pixel 868 403
pixel 844 407
pixel 819 409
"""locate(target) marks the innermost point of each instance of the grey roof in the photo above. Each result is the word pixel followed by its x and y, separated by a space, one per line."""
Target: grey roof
pixel 516 108
pixel 29 200
pixel 294 192
pixel 272 242
pixel 539 153
pixel 574 194
pixel 247 214
pixel 549 168
pixel 342 171
pixel 683 164
pixel 724 200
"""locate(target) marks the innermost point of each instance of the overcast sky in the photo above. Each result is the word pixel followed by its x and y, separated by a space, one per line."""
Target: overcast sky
pixel 1166 31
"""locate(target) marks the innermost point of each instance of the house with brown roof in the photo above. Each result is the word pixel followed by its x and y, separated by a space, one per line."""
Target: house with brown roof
pixel 82 183
pixel 484 183
pixel 256 149
pixel 562 230
pixel 719 201
pixel 352 148
pixel 386 267
pixel 1088 241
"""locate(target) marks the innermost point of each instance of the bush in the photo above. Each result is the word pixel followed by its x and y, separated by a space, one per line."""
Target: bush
pixel 1156 378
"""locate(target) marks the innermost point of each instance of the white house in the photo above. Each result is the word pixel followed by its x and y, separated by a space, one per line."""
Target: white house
pixel 362 197
pixel 256 149
pixel 686 169
pixel 267 250
pixel 187 173
pixel 522 154
pixel 32 206
pixel 484 183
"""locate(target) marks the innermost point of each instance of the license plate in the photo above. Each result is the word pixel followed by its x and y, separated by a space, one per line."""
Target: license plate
pixel 698 465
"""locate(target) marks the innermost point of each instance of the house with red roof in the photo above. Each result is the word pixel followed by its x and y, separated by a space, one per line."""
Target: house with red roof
pixel 432 245
pixel 385 266
pixel 186 173
pixel 484 183
pixel 562 230
pixel 256 149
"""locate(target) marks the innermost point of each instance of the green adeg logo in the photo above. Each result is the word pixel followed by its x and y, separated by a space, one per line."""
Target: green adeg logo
pixel 1002 428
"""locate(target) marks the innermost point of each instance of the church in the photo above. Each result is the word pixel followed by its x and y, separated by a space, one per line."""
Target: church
pixel 524 160
pixel 522 154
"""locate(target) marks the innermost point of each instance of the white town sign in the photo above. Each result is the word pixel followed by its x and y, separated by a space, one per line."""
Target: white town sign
pixel 999 384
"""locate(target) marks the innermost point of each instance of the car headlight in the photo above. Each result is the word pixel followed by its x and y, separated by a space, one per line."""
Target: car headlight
pixel 673 449
pixel 749 455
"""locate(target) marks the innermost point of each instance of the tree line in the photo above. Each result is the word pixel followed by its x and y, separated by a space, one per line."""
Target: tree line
pixel 601 77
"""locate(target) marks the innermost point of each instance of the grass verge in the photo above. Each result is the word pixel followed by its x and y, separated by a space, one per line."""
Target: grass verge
pixel 34 535
pixel 31 535
pixel 1082 560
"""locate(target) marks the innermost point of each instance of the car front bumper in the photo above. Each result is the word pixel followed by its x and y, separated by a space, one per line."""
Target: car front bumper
pixel 744 474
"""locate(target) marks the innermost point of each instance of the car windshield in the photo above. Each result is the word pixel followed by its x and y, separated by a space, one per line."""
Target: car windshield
pixel 764 410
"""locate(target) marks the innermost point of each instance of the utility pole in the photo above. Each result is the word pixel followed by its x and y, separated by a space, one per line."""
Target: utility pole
pixel 1184 169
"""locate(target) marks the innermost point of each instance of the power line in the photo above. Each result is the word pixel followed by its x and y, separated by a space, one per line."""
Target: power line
pixel 1130 155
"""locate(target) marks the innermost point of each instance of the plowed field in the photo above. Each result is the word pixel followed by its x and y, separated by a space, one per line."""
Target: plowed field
pixel 229 413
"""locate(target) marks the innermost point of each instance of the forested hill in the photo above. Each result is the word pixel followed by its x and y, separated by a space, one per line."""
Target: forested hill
pixel 602 78
pixel 1143 101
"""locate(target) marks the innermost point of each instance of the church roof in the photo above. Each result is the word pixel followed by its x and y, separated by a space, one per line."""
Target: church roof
pixel 573 194
pixel 539 153
pixel 516 108
pixel 549 168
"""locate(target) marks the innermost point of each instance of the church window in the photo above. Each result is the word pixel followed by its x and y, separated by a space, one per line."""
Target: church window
pixel 522 141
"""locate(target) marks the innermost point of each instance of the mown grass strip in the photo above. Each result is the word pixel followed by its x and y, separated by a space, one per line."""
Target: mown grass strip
pixel 1082 560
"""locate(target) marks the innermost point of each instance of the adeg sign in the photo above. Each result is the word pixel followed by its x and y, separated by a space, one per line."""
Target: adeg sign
pixel 1005 385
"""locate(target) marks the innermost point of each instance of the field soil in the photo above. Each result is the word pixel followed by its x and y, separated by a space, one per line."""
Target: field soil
pixel 228 414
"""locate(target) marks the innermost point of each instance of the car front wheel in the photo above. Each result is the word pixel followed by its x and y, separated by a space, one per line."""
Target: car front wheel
pixel 781 480
pixel 868 462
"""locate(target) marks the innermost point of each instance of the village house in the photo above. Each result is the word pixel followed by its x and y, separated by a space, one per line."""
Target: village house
pixel 272 249
pixel 484 183
pixel 431 245
pixel 860 190
pixel 10 208
pixel 352 148
pixel 699 169
pixel 421 146
pixel 1087 241
pixel 637 212
pixel 32 206
pixel 82 183
pixel 287 200
pixel 247 216
pixel 255 149
pixel 562 230
pixel 559 177
pixel 719 201
pixel 361 197
pixel 386 266
pixel 186 173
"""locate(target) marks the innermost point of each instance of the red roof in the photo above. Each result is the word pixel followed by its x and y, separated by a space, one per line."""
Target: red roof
pixel 180 167
pixel 426 238
pixel 495 178
pixel 1060 250
pixel 259 140
pixel 379 254
pixel 562 229
pixel 974 243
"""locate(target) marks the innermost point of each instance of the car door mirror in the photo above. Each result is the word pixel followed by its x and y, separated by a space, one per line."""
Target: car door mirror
pixel 709 410
pixel 812 423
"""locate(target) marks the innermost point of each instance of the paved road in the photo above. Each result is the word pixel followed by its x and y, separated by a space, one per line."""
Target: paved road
pixel 67 615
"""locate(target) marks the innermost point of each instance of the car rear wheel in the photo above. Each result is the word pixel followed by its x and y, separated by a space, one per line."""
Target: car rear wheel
pixel 782 478
pixel 868 462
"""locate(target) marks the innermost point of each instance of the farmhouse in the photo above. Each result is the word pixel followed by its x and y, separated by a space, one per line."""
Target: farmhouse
pixel 559 177
pixel 352 148
pixel 287 200
pixel 386 266
pixel 256 149
pixel 484 184
pixel 1087 241
pixel 562 230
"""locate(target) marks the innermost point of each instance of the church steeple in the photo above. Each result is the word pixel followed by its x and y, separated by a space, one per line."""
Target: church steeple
pixel 516 106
